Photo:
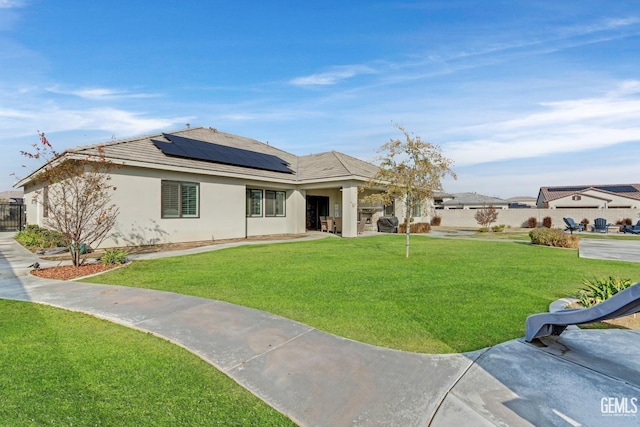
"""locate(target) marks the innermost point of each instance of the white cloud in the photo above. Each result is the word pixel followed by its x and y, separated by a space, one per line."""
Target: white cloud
pixel 55 119
pixel 96 94
pixel 563 127
pixel 334 76
pixel 8 4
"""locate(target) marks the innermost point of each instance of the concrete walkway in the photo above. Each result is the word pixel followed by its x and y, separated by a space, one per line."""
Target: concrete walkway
pixel 585 377
pixel 615 250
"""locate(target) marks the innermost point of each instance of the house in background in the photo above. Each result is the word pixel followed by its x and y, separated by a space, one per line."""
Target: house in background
pixel 522 202
pixel 202 184
pixel 468 201
pixel 590 196
pixel 13 197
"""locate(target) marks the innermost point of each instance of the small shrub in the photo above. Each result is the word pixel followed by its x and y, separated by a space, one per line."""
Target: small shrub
pixel 416 227
pixel 584 222
pixel 532 222
pixel 554 237
pixel 600 289
pixel 498 228
pixel 114 256
pixel 547 222
pixel 624 221
pixel 34 236
pixel 436 220
pixel 483 230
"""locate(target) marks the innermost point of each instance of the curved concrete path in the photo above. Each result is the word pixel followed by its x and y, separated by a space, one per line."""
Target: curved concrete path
pixel 318 379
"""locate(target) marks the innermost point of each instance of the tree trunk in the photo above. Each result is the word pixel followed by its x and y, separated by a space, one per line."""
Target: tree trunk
pixel 407 222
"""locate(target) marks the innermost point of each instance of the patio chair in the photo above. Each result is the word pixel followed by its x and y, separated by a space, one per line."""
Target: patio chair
pixel 600 224
pixel 572 225
pixel 323 224
pixel 634 229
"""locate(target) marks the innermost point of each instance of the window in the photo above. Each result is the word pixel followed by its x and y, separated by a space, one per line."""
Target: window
pixel 415 210
pixel 274 203
pixel 254 202
pixel 45 201
pixel 576 197
pixel 389 210
pixel 180 199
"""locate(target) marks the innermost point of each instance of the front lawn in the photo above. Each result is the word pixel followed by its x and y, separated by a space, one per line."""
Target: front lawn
pixel 63 368
pixel 449 296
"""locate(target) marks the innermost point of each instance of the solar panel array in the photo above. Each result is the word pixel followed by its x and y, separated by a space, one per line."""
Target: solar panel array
pixel 610 188
pixel 210 152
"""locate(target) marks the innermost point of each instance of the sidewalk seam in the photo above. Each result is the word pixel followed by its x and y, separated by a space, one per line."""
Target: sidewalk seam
pixel 244 362
pixel 448 391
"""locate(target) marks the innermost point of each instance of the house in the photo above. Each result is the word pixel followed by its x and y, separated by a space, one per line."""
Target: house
pixel 468 201
pixel 590 196
pixel 12 197
pixel 202 184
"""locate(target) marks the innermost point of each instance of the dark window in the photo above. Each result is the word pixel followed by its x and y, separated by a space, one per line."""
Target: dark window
pixel 274 203
pixel 180 199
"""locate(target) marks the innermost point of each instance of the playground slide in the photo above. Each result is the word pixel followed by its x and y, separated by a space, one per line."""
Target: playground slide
pixel 621 304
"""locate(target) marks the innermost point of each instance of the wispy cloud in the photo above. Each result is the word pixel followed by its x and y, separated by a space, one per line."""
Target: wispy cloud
pixel 97 94
pixel 8 4
pixel 333 76
pixel 561 127
pixel 56 119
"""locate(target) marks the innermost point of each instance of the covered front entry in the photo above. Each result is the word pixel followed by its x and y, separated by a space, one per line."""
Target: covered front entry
pixel 317 206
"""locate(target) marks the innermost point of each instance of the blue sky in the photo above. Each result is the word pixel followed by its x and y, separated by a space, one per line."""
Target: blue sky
pixel 520 94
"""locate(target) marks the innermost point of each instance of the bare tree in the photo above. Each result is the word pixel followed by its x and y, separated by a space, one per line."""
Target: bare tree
pixel 76 196
pixel 410 170
pixel 486 215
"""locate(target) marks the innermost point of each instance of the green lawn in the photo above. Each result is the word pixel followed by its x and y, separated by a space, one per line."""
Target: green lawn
pixel 63 368
pixel 449 296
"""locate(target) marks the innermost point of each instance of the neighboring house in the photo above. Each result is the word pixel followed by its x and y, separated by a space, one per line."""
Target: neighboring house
pixel 13 197
pixel 202 184
pixel 468 201
pixel 521 202
pixel 590 196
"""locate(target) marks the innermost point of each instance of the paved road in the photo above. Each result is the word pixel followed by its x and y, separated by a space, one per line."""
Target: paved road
pixel 318 379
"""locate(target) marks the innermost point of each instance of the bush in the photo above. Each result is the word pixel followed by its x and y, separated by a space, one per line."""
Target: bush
pixel 416 227
pixel 553 237
pixel 546 221
pixel 532 222
pixel 34 237
pixel 114 256
pixel 601 289
pixel 483 230
pixel 498 228
pixel 624 221
pixel 436 220
pixel 584 222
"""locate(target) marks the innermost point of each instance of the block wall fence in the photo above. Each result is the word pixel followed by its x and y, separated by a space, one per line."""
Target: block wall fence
pixel 516 218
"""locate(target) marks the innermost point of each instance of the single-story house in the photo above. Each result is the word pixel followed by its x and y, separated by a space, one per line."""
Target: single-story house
pixel 202 184
pixel 590 196
pixel 468 201
pixel 12 197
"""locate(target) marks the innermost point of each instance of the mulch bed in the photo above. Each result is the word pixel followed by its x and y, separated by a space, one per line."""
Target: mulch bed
pixel 69 272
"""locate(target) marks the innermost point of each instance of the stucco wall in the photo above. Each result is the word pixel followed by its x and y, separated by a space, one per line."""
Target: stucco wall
pixel 519 217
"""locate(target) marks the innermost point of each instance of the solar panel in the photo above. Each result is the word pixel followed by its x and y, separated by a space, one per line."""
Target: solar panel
pixel 200 150
pixel 619 188
pixel 552 189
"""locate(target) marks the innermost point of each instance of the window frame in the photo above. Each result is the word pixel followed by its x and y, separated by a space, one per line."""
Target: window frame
pixel 250 204
pixel 275 201
pixel 180 185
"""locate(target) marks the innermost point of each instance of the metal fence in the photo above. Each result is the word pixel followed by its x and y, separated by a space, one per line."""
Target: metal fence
pixel 12 217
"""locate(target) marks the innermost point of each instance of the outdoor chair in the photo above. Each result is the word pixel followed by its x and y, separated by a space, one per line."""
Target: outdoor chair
pixel 572 225
pixel 600 224
pixel 323 224
pixel 634 229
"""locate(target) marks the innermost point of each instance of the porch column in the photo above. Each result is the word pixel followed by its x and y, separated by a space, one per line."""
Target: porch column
pixel 350 210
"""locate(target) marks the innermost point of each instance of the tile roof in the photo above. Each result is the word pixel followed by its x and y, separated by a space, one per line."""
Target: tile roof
pixel 141 151
pixel 631 191
pixel 473 199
